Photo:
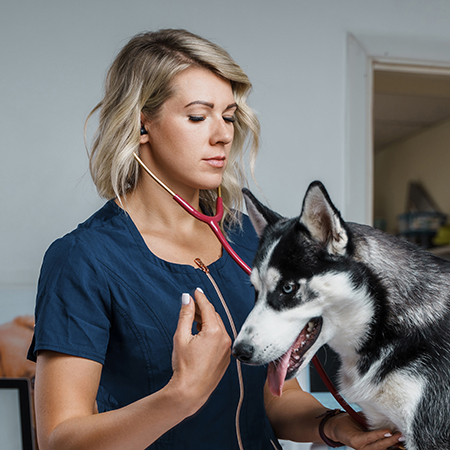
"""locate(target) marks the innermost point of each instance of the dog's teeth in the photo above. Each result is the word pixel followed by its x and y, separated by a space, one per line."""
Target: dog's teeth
pixel 297 357
pixel 310 326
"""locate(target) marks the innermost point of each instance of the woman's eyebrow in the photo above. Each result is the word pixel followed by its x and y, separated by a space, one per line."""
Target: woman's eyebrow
pixel 210 105
pixel 201 102
pixel 233 105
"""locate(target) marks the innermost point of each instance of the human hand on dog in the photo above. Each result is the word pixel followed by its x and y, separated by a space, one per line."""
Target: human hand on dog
pixel 199 361
pixel 344 429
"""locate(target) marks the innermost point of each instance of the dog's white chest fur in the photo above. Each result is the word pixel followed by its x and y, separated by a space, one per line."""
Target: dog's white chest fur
pixel 391 403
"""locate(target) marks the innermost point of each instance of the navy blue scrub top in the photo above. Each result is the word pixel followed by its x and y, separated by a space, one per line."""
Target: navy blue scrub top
pixel 103 295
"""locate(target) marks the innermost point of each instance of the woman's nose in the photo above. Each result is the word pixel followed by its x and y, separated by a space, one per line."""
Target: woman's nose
pixel 223 132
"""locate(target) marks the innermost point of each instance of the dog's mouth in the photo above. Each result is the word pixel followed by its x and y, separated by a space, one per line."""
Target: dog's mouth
pixel 285 367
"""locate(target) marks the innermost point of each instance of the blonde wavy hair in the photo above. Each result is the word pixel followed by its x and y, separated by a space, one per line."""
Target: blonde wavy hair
pixel 140 79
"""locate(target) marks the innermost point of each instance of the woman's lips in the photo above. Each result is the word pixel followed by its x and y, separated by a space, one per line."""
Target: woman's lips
pixel 217 162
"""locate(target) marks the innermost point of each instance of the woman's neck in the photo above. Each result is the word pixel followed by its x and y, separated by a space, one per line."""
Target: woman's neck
pixel 149 203
pixel 168 230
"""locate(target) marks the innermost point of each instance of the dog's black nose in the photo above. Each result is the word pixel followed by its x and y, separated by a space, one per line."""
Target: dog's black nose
pixel 243 351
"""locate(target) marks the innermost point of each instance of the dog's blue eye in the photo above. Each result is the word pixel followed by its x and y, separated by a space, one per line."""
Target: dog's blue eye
pixel 288 288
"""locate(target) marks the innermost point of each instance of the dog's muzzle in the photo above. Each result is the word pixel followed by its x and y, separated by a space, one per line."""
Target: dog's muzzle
pixel 243 352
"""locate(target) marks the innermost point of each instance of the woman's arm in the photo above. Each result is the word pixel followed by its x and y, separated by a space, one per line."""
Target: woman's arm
pixel 296 416
pixel 66 389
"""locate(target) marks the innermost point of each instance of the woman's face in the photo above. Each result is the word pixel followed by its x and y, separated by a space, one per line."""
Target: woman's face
pixel 189 143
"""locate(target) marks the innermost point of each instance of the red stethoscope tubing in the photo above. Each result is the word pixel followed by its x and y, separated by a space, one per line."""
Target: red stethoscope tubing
pixel 214 224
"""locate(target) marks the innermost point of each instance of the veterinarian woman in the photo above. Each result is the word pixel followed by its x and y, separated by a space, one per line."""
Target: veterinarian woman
pixel 119 363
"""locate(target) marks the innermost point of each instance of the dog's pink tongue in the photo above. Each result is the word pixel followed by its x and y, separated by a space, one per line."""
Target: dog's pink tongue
pixel 276 373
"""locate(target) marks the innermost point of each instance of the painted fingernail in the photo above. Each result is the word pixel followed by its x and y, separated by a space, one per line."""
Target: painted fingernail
pixel 200 290
pixel 185 299
pixel 388 435
pixel 402 439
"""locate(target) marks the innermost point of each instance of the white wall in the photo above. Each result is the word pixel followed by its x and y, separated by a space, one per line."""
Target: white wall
pixel 54 54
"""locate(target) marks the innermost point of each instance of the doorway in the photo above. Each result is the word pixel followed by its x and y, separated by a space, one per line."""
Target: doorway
pixel 411 151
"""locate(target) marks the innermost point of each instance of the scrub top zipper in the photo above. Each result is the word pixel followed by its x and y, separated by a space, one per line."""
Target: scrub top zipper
pixel 205 269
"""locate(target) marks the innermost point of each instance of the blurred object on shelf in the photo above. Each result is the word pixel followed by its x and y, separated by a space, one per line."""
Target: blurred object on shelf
pixel 380 224
pixel 425 222
pixel 442 236
pixel 422 219
pixel 419 200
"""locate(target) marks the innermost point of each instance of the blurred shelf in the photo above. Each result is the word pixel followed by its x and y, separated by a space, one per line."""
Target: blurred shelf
pixel 443 252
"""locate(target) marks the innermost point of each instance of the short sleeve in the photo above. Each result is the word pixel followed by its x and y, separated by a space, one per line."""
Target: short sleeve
pixel 73 304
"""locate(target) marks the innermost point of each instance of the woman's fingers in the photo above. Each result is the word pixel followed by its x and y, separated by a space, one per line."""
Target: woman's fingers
pixel 205 310
pixel 186 317
pixel 346 430
pixel 210 320
pixel 198 315
pixel 199 361
pixel 382 440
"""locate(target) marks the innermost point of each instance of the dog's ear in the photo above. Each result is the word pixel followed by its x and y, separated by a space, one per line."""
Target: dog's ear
pixel 260 215
pixel 323 220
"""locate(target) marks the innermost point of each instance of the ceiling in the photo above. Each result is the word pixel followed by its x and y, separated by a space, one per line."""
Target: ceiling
pixel 407 103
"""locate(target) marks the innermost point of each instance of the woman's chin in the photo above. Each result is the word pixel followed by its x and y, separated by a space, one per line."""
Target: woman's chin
pixel 208 183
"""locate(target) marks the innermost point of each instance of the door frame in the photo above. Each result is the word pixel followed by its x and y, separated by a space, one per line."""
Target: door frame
pixel 364 55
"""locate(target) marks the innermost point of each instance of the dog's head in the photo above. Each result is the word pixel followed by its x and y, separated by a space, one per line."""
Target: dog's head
pixel 300 284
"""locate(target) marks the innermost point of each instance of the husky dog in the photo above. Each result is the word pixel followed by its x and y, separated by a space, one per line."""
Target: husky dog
pixel 380 302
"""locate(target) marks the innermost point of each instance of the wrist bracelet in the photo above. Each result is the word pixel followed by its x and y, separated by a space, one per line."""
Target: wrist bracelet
pixel 330 413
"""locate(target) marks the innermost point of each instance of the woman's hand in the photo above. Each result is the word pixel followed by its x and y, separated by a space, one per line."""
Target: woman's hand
pixel 199 361
pixel 296 416
pixel 344 429
pixel 66 388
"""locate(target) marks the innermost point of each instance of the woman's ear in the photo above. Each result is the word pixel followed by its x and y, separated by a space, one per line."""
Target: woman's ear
pixel 144 132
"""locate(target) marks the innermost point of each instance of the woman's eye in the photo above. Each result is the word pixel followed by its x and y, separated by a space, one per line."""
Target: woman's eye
pixel 231 119
pixel 196 118
pixel 288 288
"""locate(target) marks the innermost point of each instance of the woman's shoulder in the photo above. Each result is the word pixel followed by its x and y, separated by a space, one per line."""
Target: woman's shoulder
pixel 106 219
pixel 244 234
pixel 98 231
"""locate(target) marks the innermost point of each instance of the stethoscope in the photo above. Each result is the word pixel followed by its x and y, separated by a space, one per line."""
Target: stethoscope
pixel 214 224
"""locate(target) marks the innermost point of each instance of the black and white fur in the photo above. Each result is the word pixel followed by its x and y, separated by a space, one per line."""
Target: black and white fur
pixel 380 302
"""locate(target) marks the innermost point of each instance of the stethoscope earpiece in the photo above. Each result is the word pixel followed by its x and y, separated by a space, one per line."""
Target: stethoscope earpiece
pixel 143 130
